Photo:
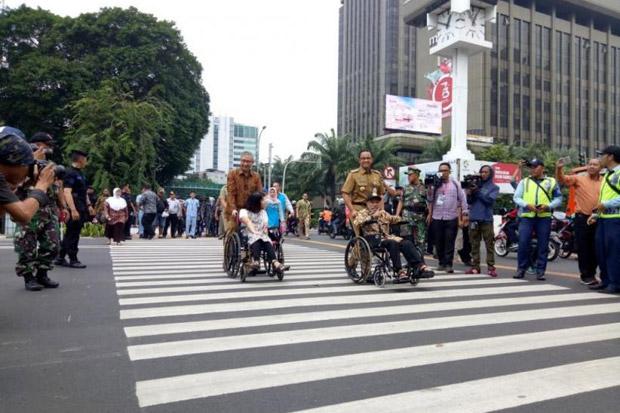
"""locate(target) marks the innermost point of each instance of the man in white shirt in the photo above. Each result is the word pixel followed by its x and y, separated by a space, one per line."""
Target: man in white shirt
pixel 174 207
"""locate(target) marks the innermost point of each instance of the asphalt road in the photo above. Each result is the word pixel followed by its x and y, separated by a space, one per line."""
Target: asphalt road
pixel 157 327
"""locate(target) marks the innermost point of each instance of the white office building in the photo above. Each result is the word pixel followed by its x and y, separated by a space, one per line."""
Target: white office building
pixel 222 146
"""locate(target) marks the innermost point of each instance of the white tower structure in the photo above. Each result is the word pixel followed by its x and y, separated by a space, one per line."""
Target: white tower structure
pixel 460 33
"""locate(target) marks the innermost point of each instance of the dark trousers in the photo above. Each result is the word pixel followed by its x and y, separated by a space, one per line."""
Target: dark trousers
pixel 71 240
pixel 479 230
pixel 444 237
pixel 147 223
pixel 608 251
pixel 527 227
pixel 258 246
pixel 585 241
pixel 172 222
pixel 115 231
pixel 465 252
pixel 127 229
pixel 408 249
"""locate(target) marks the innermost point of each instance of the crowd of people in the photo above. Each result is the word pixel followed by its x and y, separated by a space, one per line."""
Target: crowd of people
pixel 441 215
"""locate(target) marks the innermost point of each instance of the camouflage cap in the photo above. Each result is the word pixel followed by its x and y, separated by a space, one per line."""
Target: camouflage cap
pixel 14 150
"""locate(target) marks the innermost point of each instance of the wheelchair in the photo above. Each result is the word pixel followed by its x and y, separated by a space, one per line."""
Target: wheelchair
pixel 237 255
pixel 366 261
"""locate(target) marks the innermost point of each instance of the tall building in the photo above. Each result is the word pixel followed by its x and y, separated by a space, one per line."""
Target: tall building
pixel 376 56
pixel 222 146
pixel 552 77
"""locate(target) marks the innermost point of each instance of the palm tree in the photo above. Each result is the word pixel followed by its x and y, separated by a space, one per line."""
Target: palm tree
pixel 383 153
pixel 436 150
pixel 332 156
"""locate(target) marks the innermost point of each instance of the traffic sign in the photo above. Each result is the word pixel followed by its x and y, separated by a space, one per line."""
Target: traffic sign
pixel 389 172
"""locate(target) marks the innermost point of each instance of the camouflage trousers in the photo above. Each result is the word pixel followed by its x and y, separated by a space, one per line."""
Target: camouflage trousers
pixel 36 245
pixel 416 230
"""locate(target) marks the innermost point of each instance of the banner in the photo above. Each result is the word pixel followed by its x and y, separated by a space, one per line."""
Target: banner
pixel 440 88
pixel 413 115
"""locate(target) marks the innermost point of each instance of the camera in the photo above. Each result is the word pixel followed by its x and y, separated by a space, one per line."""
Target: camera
pixel 527 163
pixel 33 173
pixel 471 181
pixel 432 181
pixel 59 170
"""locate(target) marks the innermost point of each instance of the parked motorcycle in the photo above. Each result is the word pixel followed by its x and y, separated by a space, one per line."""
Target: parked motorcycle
pixel 507 238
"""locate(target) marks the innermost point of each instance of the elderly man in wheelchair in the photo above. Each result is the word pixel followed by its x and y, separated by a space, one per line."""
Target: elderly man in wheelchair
pixel 376 241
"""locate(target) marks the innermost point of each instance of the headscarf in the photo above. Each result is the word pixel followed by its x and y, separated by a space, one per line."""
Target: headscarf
pixel 274 196
pixel 116 202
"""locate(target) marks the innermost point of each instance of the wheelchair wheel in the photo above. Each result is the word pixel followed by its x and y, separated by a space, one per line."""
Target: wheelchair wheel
pixel 379 277
pixel 358 260
pixel 232 255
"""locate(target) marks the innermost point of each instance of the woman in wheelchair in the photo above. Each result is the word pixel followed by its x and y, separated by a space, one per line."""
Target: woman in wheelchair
pixel 374 223
pixel 256 222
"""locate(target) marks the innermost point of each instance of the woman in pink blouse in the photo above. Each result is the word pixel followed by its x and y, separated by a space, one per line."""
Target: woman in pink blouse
pixel 116 214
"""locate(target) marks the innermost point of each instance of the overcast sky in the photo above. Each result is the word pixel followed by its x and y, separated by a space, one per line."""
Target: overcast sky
pixel 268 62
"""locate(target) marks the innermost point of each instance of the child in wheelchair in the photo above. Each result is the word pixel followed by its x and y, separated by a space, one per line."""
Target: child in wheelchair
pixel 256 222
pixel 374 223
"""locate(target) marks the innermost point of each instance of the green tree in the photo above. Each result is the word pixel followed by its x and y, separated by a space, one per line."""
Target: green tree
pixel 383 153
pixel 435 150
pixel 48 62
pixel 119 133
pixel 332 157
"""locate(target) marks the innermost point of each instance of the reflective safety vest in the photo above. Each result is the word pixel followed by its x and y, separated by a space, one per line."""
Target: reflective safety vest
pixel 534 195
pixel 608 193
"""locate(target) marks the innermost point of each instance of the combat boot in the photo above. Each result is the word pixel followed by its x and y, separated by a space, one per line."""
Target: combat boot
pixel 32 284
pixel 45 281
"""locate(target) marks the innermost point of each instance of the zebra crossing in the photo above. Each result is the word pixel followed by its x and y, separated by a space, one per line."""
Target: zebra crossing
pixel 315 341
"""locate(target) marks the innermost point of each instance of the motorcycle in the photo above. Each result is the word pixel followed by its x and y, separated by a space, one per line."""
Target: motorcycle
pixel 565 230
pixel 507 239
pixel 340 227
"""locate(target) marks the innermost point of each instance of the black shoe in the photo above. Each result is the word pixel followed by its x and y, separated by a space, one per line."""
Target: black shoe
pixel 76 264
pixel 598 287
pixel 46 281
pixel 32 284
pixel 519 275
pixel 450 270
pixel 540 277
pixel 61 262
pixel 589 282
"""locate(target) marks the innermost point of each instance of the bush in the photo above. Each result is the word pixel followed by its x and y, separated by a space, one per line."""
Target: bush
pixel 92 230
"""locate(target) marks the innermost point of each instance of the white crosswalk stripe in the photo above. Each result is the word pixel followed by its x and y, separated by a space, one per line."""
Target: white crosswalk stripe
pixel 187 323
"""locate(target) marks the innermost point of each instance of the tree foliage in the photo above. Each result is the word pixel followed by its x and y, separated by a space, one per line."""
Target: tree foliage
pixel 48 63
pixel 120 134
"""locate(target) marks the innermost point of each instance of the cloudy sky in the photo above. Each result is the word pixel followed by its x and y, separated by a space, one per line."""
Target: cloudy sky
pixel 268 62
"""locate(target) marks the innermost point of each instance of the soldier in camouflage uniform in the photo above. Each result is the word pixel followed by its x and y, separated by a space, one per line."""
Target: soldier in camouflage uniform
pixel 37 242
pixel 415 208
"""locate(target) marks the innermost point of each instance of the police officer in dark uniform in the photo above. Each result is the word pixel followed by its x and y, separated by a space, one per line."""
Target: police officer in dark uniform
pixel 16 159
pixel 77 200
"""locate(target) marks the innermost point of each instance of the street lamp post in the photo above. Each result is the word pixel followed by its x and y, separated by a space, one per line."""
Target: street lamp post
pixel 286 166
pixel 258 147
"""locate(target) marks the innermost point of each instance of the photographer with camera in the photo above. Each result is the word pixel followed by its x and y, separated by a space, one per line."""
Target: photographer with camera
pixel 536 196
pixel 16 161
pixel 77 200
pixel 37 242
pixel 448 209
pixel 481 195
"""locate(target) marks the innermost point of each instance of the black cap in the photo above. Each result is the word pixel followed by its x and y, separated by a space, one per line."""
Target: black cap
pixel 610 150
pixel 374 195
pixel 413 170
pixel 534 163
pixel 14 150
pixel 79 152
pixel 42 137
